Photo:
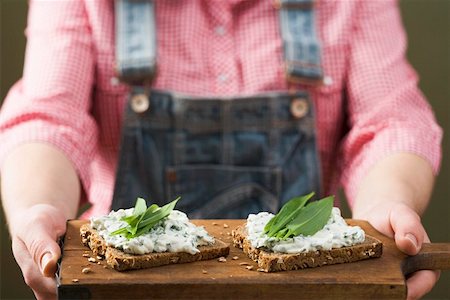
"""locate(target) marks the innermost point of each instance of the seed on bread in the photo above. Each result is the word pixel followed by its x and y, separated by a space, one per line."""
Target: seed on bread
pixel 235 258
pixel 75 280
pixel 225 225
pixel 204 272
pixel 86 270
pixel 249 268
pixel 92 260
pixel 86 255
pixel 260 270
pixel 222 259
pixel 174 260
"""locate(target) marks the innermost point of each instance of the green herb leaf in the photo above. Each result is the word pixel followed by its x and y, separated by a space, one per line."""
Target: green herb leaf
pixel 158 214
pixel 122 230
pixel 269 224
pixel 140 207
pixel 286 214
pixel 143 219
pixel 145 214
pixel 311 218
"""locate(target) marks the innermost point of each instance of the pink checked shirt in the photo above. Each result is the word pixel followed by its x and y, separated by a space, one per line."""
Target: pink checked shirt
pixel 69 96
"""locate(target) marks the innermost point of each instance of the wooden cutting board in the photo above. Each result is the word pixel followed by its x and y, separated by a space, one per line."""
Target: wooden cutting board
pixel 379 278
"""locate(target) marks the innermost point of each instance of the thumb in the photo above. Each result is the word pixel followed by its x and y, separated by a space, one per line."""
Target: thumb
pixel 49 259
pixel 40 234
pixel 408 230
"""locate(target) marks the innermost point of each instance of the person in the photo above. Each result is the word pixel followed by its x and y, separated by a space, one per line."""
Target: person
pixel 219 110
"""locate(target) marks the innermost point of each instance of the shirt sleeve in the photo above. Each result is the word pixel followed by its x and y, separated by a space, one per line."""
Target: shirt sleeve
pixel 387 113
pixel 51 103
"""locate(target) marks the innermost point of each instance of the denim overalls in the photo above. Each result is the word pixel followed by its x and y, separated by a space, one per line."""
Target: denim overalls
pixel 225 157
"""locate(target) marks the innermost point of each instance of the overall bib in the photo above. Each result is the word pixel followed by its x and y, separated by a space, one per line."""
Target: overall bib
pixel 225 157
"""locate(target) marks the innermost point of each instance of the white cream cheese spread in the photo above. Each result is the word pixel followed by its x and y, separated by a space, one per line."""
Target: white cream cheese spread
pixel 335 234
pixel 172 234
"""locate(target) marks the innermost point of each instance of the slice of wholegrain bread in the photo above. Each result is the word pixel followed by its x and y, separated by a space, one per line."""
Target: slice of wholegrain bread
pixel 269 261
pixel 122 261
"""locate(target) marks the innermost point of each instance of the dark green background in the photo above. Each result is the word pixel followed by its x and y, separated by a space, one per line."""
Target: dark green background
pixel 427 25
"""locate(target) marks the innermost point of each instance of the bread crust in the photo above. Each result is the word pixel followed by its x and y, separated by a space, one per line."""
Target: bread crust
pixel 269 261
pixel 122 261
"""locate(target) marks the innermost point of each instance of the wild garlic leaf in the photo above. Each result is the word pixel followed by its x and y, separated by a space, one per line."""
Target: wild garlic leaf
pixel 153 218
pixel 159 213
pixel 143 218
pixel 312 218
pixel 122 230
pixel 139 211
pixel 140 207
pixel 150 210
pixel 269 224
pixel 287 213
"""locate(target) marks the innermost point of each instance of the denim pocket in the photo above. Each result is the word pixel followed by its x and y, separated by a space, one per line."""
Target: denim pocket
pixel 220 191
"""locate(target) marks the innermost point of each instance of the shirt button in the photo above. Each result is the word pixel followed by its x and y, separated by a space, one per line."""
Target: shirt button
pixel 222 78
pixel 114 81
pixel 328 80
pixel 299 107
pixel 140 103
pixel 220 30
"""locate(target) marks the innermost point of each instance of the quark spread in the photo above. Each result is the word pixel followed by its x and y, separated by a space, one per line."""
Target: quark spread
pixel 335 234
pixel 172 234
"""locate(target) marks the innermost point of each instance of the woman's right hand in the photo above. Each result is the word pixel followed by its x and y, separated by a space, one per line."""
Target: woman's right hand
pixel 34 234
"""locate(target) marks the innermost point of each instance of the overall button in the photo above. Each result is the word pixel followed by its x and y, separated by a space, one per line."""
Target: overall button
pixel 140 103
pixel 299 107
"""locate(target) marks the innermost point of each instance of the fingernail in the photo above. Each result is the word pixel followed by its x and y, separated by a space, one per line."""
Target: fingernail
pixel 413 239
pixel 45 260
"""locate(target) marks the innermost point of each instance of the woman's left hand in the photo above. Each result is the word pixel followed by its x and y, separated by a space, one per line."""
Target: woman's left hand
pixel 392 196
pixel 403 224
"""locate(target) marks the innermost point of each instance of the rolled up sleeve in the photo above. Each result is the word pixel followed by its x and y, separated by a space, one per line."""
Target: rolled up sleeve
pixel 387 113
pixel 51 103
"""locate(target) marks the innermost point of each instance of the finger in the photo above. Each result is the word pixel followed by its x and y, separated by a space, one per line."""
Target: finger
pixel 39 234
pixel 420 283
pixel 42 246
pixel 409 232
pixel 43 288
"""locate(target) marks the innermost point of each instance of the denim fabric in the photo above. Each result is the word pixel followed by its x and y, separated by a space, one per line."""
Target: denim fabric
pixel 135 40
pixel 226 158
pixel 301 47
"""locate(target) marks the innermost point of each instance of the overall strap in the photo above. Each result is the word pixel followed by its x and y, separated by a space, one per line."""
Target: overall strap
pixel 300 43
pixel 135 40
